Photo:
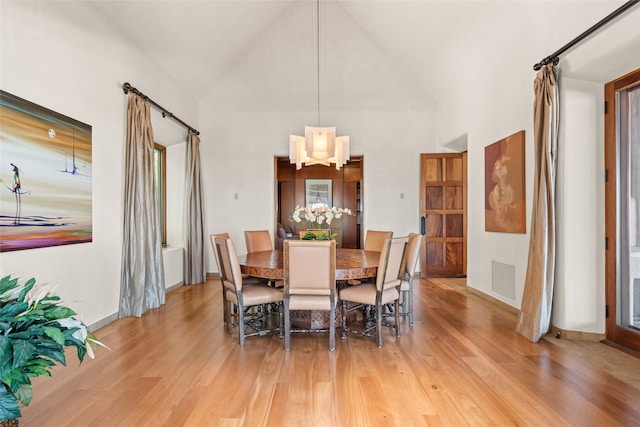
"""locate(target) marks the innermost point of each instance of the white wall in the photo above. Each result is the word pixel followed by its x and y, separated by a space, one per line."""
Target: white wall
pixel 488 97
pixel 271 92
pixel 65 57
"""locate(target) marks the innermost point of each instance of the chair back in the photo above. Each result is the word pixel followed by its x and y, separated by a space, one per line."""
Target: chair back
pixel 216 252
pixel 375 240
pixel 310 267
pixel 258 240
pixel 413 251
pixel 391 264
pixel 230 273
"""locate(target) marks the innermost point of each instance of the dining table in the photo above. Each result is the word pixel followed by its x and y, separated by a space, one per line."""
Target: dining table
pixel 351 264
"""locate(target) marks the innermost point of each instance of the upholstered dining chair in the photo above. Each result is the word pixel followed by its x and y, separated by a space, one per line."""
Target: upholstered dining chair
pixel 246 280
pixel 406 285
pixel 383 291
pixel 258 240
pixel 375 240
pixel 245 297
pixel 309 283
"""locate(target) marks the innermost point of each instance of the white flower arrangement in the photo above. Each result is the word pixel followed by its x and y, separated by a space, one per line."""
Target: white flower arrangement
pixel 318 215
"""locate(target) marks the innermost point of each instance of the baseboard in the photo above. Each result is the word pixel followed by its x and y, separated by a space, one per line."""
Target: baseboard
pixel 493 300
pixel 576 335
pixel 104 322
pixel 174 287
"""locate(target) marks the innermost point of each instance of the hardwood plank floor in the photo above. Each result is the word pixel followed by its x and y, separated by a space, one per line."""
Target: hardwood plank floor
pixel 460 364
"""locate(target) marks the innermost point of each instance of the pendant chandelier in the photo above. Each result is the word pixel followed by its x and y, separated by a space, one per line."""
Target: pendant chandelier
pixel 319 145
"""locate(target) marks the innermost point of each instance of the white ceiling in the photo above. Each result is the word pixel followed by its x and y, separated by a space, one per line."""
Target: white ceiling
pixel 199 42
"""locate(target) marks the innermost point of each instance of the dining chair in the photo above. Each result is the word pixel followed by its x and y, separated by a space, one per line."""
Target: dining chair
pixel 216 257
pixel 258 240
pixel 406 284
pixel 383 291
pixel 310 283
pixel 255 296
pixel 247 280
pixel 375 240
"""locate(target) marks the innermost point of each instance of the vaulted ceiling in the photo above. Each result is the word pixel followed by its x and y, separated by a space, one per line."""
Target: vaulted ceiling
pixel 264 52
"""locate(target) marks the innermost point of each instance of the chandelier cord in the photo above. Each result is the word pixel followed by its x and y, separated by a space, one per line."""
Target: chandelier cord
pixel 318 57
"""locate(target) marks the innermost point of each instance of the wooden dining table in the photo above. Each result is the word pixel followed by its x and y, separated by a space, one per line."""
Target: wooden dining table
pixel 350 264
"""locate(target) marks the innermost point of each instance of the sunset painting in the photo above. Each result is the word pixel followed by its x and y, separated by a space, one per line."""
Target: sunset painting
pixel 45 177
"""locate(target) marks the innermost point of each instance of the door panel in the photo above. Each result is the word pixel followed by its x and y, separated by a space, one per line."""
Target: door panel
pixel 443 199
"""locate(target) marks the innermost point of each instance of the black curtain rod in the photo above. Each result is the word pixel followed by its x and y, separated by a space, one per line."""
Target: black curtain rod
pixel 554 57
pixel 165 113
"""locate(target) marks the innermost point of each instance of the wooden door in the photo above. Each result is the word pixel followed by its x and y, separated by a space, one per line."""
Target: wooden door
pixel 443 210
pixel 622 210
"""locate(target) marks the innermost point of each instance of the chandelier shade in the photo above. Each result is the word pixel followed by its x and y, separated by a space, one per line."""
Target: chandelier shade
pixel 318 146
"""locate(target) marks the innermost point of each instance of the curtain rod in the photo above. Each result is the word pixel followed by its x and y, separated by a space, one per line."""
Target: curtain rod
pixel 553 58
pixel 165 113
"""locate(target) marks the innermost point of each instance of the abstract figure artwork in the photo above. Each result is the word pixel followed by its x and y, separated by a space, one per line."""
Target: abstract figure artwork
pixel 45 177
pixel 504 185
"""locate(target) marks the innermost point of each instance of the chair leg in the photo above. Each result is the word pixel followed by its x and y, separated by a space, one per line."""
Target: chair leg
pixel 225 309
pixel 332 327
pixel 287 327
pixel 379 323
pixel 410 303
pixel 227 304
pixel 241 325
pixel 397 317
pixel 280 320
pixel 344 320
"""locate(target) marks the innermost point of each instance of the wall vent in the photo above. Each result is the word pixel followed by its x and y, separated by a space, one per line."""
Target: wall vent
pixel 503 279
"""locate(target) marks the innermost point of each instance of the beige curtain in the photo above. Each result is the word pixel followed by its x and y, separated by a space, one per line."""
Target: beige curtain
pixel 535 312
pixel 142 283
pixel 194 270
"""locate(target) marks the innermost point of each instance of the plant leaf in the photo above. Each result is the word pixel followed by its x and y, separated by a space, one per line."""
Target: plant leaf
pixel 58 313
pixel 9 408
pixel 54 334
pixel 57 355
pixel 6 356
pixel 22 351
pixel 24 394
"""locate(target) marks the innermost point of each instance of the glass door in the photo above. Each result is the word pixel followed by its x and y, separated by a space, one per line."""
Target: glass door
pixel 622 152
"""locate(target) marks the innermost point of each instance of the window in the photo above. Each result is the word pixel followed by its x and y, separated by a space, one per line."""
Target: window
pixel 160 178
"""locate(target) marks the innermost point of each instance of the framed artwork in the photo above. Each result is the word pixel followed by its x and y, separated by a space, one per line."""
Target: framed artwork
pixel 504 168
pixel 45 177
pixel 318 192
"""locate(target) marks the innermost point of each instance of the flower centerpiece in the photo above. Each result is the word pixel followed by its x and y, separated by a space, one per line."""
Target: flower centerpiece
pixel 317 217
pixel 34 329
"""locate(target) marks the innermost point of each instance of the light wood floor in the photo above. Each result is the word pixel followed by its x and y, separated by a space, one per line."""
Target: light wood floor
pixel 461 364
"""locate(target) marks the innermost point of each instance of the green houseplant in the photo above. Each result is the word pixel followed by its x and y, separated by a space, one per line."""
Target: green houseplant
pixel 318 235
pixel 34 330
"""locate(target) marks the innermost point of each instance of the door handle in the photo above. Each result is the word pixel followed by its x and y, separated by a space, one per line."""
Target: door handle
pixel 423 225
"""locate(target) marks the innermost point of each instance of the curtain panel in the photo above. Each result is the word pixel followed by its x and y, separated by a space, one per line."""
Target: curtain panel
pixel 142 284
pixel 535 313
pixel 194 268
